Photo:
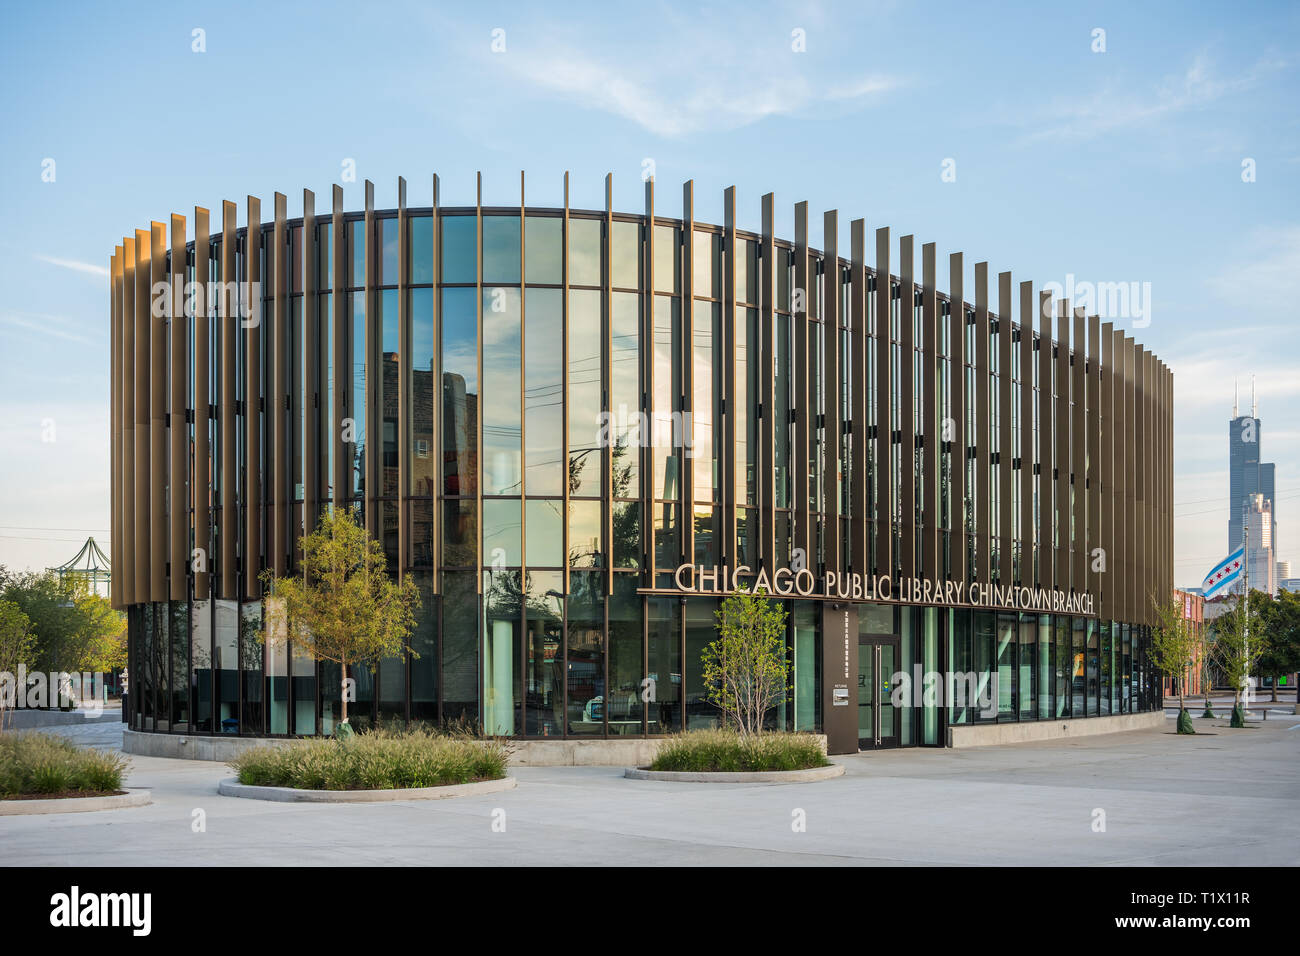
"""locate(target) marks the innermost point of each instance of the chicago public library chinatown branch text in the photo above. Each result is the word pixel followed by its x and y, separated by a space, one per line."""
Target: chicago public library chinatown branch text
pixel 931 485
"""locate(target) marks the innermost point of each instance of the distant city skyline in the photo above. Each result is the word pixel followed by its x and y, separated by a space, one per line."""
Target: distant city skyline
pixel 1172 156
pixel 1252 498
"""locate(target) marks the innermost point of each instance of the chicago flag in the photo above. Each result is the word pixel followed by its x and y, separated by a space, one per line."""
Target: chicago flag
pixel 1224 573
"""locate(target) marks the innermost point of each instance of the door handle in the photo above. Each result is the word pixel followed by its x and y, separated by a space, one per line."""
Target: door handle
pixel 876 650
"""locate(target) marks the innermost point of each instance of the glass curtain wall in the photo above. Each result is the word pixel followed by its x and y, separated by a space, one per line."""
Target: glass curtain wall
pixel 525 627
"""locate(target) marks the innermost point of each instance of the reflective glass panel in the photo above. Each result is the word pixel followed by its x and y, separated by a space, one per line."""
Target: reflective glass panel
pixel 667 435
pixel 543 249
pixel 544 532
pixel 627 255
pixel 502 626
pixel 460 603
pixel 424 642
pixel 544 667
pixel 424 457
pixel 584 251
pixel 626 668
pixel 625 392
pixel 668 260
pixel 459 236
pixel 501 396
pixel 665 656
pixel 585 671
pixel 701 631
pixel 460 407
pixel 584 393
pixel 584 535
pixel 543 392
pixel 388 248
pixel 421 249
pixel 502 532
pixel 356 403
pixel 500 249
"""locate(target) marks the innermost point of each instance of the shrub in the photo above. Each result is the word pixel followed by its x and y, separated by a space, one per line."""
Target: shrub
pixel 34 763
pixel 376 760
pixel 718 751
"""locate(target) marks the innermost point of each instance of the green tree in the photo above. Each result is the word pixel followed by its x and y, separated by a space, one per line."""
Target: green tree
pixel 1206 663
pixel 745 669
pixel 1281 622
pixel 1238 647
pixel 341 606
pixel 1173 643
pixel 74 628
pixel 102 647
pixel 16 647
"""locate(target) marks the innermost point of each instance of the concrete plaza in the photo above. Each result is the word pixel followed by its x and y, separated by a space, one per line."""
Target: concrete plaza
pixel 1225 797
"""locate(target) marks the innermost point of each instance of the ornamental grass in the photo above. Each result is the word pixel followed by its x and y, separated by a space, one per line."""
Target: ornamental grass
pixel 722 751
pixel 35 764
pixel 375 760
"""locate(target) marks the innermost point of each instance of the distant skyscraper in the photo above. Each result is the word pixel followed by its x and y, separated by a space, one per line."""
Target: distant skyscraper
pixel 1260 565
pixel 1283 571
pixel 1248 476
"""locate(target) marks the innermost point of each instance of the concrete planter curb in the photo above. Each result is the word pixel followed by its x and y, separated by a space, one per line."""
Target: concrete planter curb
pixel 231 787
pixel 984 735
pixel 132 798
pixel 810 775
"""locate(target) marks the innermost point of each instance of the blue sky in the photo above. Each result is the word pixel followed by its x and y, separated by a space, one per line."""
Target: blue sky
pixel 1123 165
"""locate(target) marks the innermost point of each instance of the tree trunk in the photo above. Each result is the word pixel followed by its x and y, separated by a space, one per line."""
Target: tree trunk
pixel 343 691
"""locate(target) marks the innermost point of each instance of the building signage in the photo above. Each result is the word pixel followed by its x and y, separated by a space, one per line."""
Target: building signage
pixel 840 691
pixel 881 588
pixel 839 664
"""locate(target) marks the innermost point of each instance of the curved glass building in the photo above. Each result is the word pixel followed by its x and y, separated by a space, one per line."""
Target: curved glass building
pixel 577 429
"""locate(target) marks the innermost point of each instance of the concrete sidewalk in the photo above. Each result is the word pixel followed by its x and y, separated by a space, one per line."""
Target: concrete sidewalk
pixel 1167 800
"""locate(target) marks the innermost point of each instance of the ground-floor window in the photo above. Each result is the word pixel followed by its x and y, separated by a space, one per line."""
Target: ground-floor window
pixel 521 654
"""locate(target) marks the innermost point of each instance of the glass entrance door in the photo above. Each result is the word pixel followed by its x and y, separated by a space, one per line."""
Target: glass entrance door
pixel 877 721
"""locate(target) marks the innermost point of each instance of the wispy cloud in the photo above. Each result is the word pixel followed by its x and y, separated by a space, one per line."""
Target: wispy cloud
pixel 1116 106
pixel 76 266
pixel 689 97
pixel 1252 297
pixel 1264 272
pixel 686 73
pixel 38 325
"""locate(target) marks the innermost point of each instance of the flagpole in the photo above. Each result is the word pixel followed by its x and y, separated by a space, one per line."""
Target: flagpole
pixel 1245 614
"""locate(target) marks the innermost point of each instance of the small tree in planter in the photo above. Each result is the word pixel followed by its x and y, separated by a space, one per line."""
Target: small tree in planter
pixel 745 668
pixel 1207 666
pixel 1238 647
pixel 341 606
pixel 1173 642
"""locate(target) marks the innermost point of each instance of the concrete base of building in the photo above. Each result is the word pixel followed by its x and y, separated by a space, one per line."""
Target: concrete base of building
pixel 983 735
pixel 191 747
pixel 762 776
pixel 233 788
pixel 633 751
pixel 628 752
pixel 132 798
